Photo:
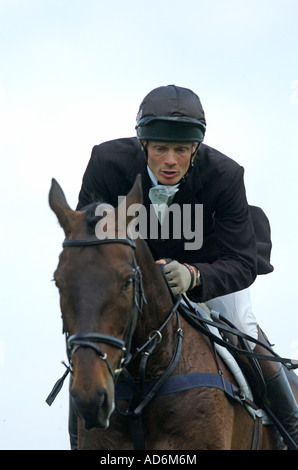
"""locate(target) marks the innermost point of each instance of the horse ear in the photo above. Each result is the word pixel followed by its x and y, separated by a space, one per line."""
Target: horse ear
pixel 135 195
pixel 134 198
pixel 60 207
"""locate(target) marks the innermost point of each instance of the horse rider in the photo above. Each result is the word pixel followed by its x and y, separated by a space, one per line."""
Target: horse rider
pixel 177 168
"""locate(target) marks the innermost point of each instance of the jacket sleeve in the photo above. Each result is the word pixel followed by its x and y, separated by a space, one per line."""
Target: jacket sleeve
pixel 236 263
pixel 111 171
pixel 93 185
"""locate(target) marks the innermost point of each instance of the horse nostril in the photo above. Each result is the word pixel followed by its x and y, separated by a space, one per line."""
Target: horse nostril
pixel 102 399
pixel 91 407
pixel 82 399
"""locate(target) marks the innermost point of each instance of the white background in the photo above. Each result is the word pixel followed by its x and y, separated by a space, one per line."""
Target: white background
pixel 72 74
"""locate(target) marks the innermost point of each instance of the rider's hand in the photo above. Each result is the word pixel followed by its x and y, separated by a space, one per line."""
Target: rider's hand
pixel 178 276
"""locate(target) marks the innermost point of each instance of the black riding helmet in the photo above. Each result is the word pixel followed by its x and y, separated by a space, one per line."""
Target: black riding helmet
pixel 171 114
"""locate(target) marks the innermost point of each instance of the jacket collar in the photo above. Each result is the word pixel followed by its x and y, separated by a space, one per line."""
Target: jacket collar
pixel 192 181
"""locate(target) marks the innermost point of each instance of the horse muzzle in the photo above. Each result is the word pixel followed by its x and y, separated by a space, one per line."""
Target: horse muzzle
pixel 94 410
pixel 92 390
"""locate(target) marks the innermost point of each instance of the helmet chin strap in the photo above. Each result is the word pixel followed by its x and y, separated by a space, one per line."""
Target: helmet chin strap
pixel 144 147
pixel 192 158
pixel 196 150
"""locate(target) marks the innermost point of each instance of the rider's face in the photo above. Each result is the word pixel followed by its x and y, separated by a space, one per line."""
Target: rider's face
pixel 169 161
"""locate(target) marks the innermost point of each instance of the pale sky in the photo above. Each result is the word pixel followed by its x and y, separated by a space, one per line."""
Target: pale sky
pixel 72 74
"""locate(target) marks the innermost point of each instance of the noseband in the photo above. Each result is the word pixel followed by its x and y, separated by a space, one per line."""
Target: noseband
pixel 91 340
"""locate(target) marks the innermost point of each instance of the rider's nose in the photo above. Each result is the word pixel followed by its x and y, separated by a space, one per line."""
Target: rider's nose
pixel 170 158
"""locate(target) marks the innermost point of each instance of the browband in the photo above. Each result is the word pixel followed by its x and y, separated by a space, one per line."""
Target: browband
pixel 96 241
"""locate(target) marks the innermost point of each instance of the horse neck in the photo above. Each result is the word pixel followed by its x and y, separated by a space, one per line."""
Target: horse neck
pixel 159 301
pixel 157 309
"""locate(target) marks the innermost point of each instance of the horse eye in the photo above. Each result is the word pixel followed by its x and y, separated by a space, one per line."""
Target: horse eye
pixel 127 283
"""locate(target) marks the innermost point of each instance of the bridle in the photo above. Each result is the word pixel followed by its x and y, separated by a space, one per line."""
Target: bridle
pixel 92 340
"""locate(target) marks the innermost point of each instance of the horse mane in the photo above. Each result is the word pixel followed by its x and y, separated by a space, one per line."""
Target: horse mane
pixel 90 218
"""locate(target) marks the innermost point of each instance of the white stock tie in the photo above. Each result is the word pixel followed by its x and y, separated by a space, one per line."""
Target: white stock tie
pixel 161 196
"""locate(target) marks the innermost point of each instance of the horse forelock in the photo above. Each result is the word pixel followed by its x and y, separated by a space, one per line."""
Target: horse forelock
pixel 91 218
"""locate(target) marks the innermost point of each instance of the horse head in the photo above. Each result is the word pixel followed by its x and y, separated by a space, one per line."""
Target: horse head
pixel 100 291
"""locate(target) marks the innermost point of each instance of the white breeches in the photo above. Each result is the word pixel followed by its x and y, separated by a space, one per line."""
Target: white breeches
pixel 237 308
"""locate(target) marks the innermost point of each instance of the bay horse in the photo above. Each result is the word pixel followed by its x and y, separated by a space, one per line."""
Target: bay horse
pixel 129 349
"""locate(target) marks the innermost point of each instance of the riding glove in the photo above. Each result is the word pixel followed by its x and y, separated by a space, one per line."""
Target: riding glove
pixel 179 277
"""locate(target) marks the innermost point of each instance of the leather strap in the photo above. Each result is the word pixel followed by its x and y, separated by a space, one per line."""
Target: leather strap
pixel 257 440
pixel 96 241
